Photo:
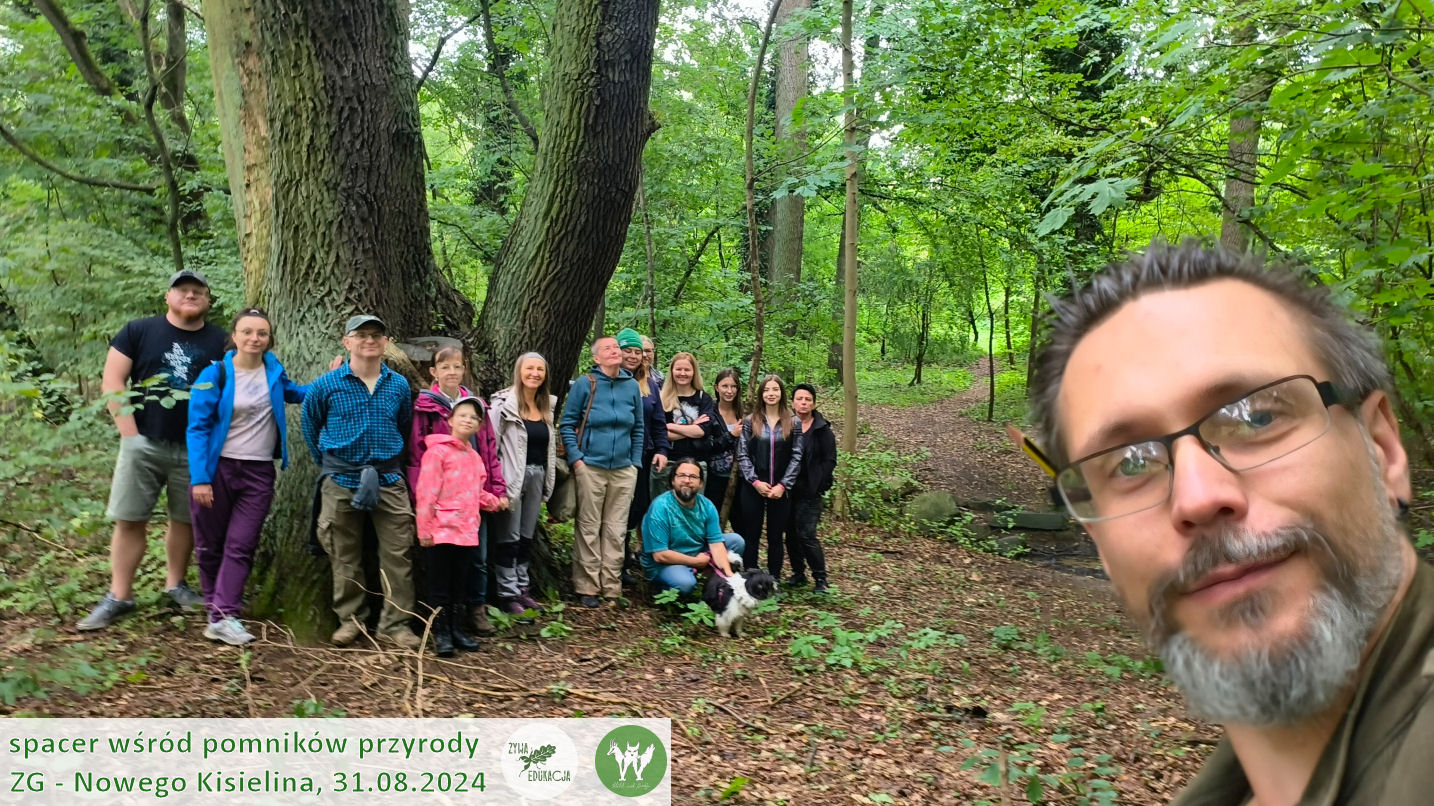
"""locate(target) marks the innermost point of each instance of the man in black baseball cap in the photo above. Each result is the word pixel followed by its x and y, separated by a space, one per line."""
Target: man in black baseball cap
pixel 173 347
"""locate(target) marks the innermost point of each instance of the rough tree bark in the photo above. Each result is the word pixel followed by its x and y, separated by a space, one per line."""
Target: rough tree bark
pixel 1242 165
pixel 788 211
pixel 552 270
pixel 321 136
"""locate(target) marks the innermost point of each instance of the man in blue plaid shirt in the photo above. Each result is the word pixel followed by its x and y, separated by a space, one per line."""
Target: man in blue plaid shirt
pixel 355 418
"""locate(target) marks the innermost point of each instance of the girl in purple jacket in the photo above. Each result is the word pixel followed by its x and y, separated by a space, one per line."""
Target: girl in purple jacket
pixel 430 416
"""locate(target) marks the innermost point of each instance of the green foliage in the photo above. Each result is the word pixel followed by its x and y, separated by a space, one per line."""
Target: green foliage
pixel 77 669
pixel 875 481
pixel 313 708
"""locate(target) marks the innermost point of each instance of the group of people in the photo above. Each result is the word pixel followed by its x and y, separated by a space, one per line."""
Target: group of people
pixel 1224 432
pixel 643 443
pixel 461 476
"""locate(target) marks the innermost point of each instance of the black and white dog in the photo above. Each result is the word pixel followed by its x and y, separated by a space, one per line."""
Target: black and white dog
pixel 734 598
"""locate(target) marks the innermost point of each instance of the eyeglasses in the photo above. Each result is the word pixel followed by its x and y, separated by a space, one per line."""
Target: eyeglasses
pixel 688 476
pixel 1266 424
pixel 363 335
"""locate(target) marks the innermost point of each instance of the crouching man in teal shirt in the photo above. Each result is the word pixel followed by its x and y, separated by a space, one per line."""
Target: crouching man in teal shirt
pixel 681 533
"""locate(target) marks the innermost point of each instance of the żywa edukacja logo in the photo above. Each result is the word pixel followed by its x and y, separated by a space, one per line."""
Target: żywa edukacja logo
pixel 538 761
pixel 631 760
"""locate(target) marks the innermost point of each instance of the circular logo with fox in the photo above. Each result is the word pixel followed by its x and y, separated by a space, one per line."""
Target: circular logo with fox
pixel 631 761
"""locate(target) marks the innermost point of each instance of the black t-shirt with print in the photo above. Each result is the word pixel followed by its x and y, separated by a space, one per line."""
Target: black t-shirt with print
pixel 158 347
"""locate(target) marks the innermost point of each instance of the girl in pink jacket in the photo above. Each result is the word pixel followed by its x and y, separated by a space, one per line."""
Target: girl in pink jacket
pixel 451 497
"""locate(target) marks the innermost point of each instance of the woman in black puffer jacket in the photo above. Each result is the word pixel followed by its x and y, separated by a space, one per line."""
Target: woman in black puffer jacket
pixel 769 457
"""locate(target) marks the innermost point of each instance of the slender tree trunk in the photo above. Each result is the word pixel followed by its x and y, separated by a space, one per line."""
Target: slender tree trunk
pixel 330 166
pixel 1006 316
pixel 1036 271
pixel 990 331
pixel 651 262
pixel 555 264
pixel 759 324
pixel 923 337
pixel 851 225
pixel 1242 166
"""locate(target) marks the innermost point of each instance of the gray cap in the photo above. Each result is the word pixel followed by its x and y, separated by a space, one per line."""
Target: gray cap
pixel 187 274
pixel 356 322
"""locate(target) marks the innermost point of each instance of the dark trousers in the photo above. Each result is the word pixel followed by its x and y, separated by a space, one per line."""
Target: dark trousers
pixel 226 534
pixel 802 542
pixel 445 573
pixel 716 490
pixel 752 509
pixel 475 561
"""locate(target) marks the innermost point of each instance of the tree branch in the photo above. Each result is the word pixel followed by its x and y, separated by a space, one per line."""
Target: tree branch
pixel 29 153
pixel 693 261
pixel 442 43
pixel 166 164
pixel 496 67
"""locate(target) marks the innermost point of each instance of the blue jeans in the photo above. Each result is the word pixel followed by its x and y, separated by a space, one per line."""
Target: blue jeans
pixel 684 577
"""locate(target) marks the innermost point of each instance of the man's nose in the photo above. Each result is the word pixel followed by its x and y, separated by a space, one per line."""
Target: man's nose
pixel 1202 489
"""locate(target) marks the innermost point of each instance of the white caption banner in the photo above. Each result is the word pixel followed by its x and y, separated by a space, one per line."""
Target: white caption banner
pixel 332 761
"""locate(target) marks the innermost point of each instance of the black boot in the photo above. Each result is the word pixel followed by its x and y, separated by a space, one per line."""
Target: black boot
pixel 821 582
pixel 443 632
pixel 460 639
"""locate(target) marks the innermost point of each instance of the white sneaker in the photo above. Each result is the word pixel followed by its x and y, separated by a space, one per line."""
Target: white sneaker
pixel 228 630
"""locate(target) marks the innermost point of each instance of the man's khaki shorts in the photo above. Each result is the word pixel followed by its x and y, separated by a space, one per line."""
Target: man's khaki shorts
pixel 143 468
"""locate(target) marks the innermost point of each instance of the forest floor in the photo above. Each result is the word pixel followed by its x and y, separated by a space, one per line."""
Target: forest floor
pixel 931 674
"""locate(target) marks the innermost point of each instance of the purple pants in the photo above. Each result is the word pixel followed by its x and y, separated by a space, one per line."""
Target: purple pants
pixel 227 533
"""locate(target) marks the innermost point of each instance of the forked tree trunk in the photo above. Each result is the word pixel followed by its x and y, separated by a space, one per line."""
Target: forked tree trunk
pixel 321 134
pixel 550 275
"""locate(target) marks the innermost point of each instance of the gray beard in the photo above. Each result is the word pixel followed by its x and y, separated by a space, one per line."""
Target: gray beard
pixel 685 497
pixel 1281 684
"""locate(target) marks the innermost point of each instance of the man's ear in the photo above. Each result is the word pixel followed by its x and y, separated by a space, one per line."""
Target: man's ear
pixel 1378 416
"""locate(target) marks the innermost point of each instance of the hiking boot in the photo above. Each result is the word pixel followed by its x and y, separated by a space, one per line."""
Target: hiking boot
pixel 403 638
pixel 795 581
pixel 228 630
pixel 184 597
pixel 821 586
pixel 107 611
pixel 585 601
pixel 478 617
pixel 517 610
pixel 346 634
pixel 529 602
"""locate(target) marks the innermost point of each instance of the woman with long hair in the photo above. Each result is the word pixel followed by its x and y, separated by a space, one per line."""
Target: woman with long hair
pixel 527 449
pixel 692 420
pixel 652 472
pixel 769 456
pixel 236 431
pixel 729 411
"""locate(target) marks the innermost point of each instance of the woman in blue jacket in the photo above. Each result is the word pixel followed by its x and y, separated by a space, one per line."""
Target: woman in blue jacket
pixel 236 431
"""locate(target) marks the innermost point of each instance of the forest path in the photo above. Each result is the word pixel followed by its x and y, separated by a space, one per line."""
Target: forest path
pixel 967 456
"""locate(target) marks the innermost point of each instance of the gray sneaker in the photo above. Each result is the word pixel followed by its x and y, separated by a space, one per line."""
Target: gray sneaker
pixel 106 612
pixel 185 597
pixel 228 630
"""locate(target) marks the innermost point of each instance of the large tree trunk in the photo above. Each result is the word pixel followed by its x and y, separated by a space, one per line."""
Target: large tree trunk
pixel 317 103
pixel 551 273
pixel 788 210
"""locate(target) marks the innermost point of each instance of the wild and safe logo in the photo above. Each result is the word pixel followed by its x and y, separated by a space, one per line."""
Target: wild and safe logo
pixel 631 760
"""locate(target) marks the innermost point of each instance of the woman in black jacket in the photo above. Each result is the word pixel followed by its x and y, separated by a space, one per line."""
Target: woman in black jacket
pixel 818 464
pixel 769 456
